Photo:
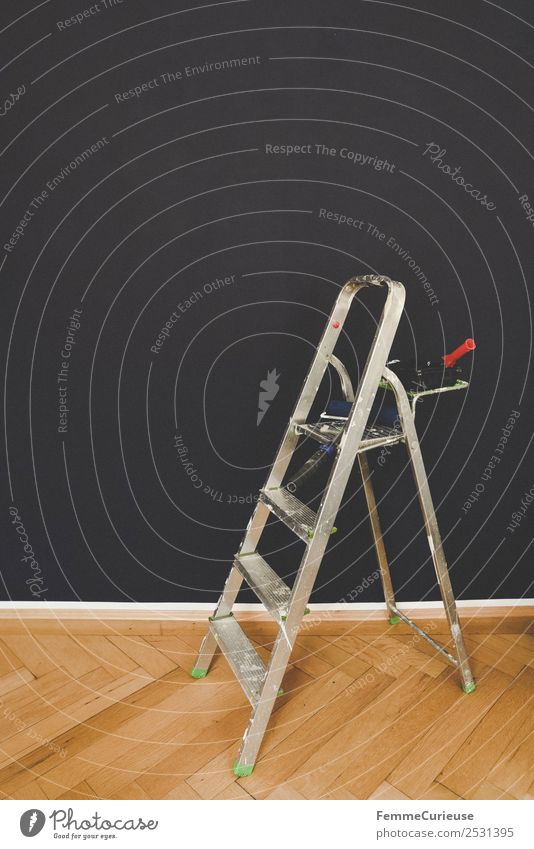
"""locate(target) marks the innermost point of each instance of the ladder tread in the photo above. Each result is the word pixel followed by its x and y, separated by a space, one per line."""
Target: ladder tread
pixel 244 660
pixel 294 513
pixel 374 437
pixel 271 590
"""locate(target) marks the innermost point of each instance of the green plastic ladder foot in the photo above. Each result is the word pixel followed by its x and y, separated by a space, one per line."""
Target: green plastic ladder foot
pixel 469 688
pixel 280 692
pixel 242 770
pixel 198 673
pixel 394 620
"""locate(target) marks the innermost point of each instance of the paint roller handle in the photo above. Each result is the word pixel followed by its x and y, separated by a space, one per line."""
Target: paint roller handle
pixel 452 358
pixel 311 467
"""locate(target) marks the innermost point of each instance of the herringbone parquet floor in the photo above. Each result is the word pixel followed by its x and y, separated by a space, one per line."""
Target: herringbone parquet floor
pixel 108 710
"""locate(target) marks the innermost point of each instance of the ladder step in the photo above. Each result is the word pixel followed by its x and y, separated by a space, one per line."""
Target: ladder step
pixel 271 590
pixel 324 432
pixel 373 437
pixel 246 664
pixel 286 507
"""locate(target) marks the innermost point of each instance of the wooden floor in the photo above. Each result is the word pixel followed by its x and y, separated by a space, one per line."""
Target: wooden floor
pixel 108 710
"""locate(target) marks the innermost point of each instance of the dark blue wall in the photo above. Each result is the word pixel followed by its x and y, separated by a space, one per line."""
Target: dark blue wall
pixel 176 208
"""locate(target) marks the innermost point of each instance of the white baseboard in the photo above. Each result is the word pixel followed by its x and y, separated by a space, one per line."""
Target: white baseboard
pixel 190 607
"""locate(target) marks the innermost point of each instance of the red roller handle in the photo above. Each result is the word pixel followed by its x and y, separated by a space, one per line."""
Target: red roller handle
pixel 454 356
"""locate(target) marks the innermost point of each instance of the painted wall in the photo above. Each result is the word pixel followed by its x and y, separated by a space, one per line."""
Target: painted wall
pixel 185 187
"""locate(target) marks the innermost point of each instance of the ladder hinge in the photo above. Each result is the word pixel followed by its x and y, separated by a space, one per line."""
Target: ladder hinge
pixel 217 618
pixel 306 611
pixel 311 532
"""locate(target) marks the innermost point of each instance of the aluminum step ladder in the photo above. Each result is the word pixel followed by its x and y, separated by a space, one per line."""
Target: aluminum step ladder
pixel 261 682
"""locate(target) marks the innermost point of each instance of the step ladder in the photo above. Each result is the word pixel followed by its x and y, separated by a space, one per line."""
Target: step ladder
pixel 261 682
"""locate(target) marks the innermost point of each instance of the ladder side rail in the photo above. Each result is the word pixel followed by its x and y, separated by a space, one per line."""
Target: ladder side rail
pixel 431 525
pixel 380 548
